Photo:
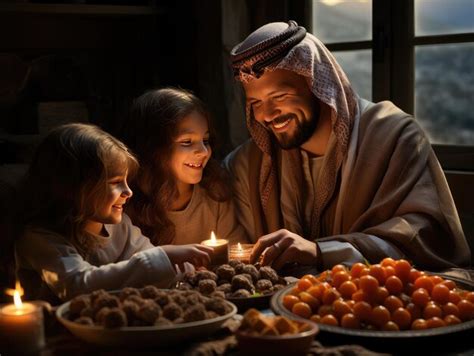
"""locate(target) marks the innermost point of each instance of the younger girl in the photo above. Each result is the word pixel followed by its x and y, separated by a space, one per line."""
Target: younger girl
pixel 75 237
pixel 181 192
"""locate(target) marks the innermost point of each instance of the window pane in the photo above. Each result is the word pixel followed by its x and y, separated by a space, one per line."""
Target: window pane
pixel 444 90
pixel 342 20
pixel 358 67
pixel 435 17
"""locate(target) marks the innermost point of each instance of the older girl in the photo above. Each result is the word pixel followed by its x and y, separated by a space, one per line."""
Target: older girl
pixel 181 192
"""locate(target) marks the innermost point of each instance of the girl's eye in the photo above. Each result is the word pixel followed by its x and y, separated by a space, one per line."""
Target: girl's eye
pixel 206 142
pixel 280 97
pixel 185 143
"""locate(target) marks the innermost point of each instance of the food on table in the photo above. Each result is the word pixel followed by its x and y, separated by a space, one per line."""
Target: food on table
pixel 234 280
pixel 256 323
pixel 145 307
pixel 391 295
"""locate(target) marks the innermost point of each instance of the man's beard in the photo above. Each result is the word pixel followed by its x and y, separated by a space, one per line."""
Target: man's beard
pixel 302 132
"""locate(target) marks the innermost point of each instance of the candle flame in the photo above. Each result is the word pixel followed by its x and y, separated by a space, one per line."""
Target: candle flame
pixel 239 247
pixel 213 238
pixel 16 293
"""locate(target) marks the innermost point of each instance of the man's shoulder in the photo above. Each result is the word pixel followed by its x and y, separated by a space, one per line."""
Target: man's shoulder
pixel 383 116
pixel 238 159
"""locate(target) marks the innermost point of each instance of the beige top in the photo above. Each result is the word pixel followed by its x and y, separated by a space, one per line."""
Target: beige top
pixel 50 266
pixel 203 215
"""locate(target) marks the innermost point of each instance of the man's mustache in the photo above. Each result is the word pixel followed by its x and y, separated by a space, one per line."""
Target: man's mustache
pixel 280 119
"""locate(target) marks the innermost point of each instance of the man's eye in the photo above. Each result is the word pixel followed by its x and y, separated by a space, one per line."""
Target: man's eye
pixel 256 104
pixel 280 97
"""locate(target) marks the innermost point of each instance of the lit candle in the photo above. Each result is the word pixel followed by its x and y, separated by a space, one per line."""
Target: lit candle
pixel 241 252
pixel 21 325
pixel 220 255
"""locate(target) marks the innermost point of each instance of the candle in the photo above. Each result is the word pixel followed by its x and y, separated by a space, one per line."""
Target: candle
pixel 220 255
pixel 241 252
pixel 21 325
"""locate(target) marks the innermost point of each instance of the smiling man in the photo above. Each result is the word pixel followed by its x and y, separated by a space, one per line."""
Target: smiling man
pixel 328 177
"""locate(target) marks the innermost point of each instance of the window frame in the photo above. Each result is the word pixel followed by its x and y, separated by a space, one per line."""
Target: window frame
pixel 393 65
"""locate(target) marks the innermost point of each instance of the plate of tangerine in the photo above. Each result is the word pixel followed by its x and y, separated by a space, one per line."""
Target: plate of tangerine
pixel 391 299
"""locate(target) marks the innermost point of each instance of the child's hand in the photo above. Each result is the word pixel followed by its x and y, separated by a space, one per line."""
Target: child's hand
pixel 196 254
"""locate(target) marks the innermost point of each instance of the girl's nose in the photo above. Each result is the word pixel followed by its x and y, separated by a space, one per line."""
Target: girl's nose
pixel 126 191
pixel 201 149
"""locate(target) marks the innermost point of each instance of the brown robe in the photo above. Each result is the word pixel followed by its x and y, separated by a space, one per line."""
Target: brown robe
pixel 395 191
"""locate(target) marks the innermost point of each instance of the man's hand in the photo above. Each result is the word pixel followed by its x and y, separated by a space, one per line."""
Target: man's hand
pixel 282 247
pixel 197 254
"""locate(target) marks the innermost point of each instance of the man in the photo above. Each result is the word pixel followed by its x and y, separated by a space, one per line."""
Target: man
pixel 328 177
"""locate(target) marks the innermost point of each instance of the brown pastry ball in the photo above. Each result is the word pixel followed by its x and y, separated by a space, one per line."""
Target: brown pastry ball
pixel 234 263
pixel 127 292
pixel 97 293
pixel 149 292
pixel 195 313
pixel 184 286
pixel 137 299
pixel 190 278
pixel 277 287
pixel 179 298
pixel 162 298
pixel 241 293
pixel 193 299
pixel 115 318
pixel 130 309
pixel 84 320
pixel 226 288
pixel 218 294
pixel 204 274
pixel 211 314
pixel 239 268
pixel 78 303
pixel 106 300
pixel 100 315
pixel 266 272
pixel 253 271
pixel 218 305
pixel 89 312
pixel 149 311
pixel 263 285
pixel 172 311
pixel 207 286
pixel 161 321
pixel 241 282
pixel 225 272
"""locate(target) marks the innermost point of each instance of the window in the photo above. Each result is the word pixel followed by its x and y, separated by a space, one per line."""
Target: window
pixel 417 53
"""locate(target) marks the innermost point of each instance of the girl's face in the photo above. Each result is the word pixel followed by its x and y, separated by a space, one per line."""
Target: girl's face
pixel 191 151
pixel 110 209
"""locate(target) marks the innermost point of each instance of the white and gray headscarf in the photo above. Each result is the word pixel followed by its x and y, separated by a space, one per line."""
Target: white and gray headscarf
pixel 288 46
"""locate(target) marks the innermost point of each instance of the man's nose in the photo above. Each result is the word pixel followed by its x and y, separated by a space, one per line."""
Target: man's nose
pixel 270 112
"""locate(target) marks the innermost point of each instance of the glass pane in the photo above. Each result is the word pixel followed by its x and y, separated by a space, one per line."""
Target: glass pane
pixel 435 17
pixel 444 90
pixel 358 67
pixel 342 20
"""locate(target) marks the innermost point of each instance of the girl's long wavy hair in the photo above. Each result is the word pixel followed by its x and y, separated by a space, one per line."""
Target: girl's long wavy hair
pixel 67 181
pixel 149 131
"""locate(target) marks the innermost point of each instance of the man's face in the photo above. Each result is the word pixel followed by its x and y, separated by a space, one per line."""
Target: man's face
pixel 282 102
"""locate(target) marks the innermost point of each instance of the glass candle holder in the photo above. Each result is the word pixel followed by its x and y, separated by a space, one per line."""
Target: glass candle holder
pixel 241 252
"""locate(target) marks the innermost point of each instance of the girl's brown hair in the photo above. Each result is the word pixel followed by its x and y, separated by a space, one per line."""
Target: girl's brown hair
pixel 150 131
pixel 67 181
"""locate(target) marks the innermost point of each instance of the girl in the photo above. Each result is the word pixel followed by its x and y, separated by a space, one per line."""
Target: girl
pixel 75 237
pixel 181 192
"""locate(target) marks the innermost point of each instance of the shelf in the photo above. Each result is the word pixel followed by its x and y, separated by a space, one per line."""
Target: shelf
pixel 78 9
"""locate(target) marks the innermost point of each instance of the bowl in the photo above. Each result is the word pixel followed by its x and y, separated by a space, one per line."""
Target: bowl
pixel 290 344
pixel 143 336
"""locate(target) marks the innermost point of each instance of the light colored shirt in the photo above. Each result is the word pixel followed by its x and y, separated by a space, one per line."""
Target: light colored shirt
pixel 203 215
pixel 48 262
